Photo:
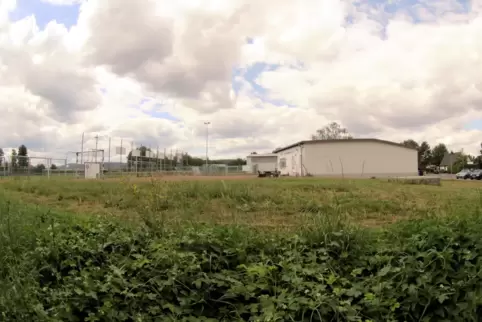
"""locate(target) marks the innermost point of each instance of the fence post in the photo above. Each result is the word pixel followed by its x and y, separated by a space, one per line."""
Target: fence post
pixel 49 164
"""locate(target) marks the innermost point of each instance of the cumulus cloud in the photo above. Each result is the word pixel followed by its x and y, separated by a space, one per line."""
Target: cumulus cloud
pixel 393 71
pixel 39 61
pixel 187 53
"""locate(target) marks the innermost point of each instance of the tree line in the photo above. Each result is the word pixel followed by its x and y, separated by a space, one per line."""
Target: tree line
pixel 20 160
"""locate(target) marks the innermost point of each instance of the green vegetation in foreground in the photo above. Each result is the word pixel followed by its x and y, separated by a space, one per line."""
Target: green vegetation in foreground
pixel 287 203
pixel 62 266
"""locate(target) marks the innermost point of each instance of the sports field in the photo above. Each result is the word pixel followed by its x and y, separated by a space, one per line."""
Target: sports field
pixel 239 249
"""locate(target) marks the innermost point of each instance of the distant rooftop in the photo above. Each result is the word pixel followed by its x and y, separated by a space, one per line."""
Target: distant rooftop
pixel 342 141
pixel 449 159
pixel 262 155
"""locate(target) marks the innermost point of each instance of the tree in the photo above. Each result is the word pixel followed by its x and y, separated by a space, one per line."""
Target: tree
pixel 39 168
pixel 424 154
pixel 2 154
pixel 14 158
pixel 438 153
pixel 460 163
pixel 192 161
pixel 411 144
pixel 23 156
pixel 235 162
pixel 332 131
pixel 478 161
pixel 53 167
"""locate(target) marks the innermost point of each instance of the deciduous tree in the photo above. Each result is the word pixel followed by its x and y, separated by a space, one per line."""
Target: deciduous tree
pixel 438 153
pixel 411 144
pixel 332 131
pixel 22 156
pixel 39 168
pixel 14 159
pixel 424 154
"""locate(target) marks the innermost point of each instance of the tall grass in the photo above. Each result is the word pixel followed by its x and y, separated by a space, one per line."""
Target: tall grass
pixel 262 203
pixel 191 255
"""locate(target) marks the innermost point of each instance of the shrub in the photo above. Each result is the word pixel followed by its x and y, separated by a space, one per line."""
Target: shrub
pixel 101 271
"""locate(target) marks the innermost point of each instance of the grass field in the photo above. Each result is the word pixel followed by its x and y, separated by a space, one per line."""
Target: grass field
pixel 239 250
pixel 257 202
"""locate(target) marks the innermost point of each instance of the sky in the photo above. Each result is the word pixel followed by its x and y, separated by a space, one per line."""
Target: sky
pixel 264 75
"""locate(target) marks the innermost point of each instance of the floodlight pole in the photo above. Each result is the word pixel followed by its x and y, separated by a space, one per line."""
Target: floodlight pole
pixel 82 150
pixel 207 143
pixel 96 142
pixel 109 150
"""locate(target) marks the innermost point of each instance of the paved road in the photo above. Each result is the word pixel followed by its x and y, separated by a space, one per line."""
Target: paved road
pixel 444 176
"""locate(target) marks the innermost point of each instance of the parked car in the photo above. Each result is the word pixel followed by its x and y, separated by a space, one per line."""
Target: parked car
pixel 464 174
pixel 476 175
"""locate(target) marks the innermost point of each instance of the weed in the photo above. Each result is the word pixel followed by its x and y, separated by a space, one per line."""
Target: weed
pixel 214 252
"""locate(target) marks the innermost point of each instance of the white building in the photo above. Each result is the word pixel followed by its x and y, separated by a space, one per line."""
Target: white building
pixel 352 158
pixel 261 162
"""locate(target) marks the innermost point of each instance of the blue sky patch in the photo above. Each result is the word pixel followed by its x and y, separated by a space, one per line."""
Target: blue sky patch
pixel 163 115
pixel 251 74
pixel 157 110
pixel 45 12
pixel 474 125
pixel 145 100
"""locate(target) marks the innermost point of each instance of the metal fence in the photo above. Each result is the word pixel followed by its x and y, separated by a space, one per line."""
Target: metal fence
pixel 31 166
pixel 44 168
pixel 143 161
pixel 147 170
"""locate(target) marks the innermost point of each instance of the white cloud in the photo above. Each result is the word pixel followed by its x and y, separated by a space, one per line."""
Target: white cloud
pixel 409 73
pixel 63 2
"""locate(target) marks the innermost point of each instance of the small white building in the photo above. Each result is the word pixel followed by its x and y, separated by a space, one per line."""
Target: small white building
pixel 352 158
pixel 261 162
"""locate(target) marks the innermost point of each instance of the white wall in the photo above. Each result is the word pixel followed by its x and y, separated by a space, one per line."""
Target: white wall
pixel 359 159
pixel 263 163
pixel 293 158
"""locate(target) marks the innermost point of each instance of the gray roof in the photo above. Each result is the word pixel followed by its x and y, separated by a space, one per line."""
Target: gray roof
pixel 343 141
pixel 262 155
pixel 449 159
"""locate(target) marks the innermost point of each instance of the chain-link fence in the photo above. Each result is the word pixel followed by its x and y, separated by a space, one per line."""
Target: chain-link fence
pixel 142 169
pixel 49 167
pixel 16 166
pixel 116 159
pixel 3 166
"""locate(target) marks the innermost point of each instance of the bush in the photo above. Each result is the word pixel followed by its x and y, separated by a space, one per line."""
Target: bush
pixel 103 271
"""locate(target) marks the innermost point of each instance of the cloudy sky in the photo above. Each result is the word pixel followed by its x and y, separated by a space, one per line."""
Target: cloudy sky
pixel 264 73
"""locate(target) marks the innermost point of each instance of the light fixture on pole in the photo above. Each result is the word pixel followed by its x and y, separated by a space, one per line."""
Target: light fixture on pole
pixel 207 142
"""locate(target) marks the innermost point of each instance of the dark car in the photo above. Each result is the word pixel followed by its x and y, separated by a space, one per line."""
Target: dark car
pixel 464 174
pixel 476 175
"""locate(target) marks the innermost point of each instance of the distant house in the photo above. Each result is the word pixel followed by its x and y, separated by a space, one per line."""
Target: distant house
pixel 450 159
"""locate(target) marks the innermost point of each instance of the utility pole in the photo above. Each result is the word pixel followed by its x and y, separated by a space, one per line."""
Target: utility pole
pixel 207 143
pixel 96 142
pixel 81 150
pixel 109 150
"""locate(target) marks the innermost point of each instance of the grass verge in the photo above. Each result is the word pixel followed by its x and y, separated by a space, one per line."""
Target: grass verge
pixel 61 266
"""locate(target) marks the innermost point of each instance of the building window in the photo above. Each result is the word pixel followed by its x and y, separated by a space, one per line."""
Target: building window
pixel 282 163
